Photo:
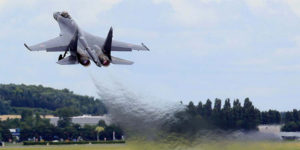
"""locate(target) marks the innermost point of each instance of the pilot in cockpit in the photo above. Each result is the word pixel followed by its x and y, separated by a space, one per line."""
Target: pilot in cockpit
pixel 65 14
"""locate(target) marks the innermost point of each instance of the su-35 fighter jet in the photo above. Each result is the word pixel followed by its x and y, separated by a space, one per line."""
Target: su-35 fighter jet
pixel 83 46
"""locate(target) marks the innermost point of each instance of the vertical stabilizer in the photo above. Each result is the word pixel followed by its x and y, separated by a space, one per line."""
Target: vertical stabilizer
pixel 107 44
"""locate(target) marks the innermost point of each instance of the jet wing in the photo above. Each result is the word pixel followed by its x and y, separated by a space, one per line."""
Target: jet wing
pixel 119 61
pixel 54 45
pixel 121 46
pixel 116 45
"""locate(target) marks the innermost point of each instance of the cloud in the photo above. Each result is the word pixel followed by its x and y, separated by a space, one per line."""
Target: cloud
pixel 11 4
pixel 290 52
pixel 88 12
pixel 294 5
pixel 273 7
pixel 256 5
pixel 190 12
pixel 2 3
pixel 277 59
pixel 211 12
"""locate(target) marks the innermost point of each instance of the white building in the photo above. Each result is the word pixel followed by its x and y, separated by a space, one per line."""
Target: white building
pixel 83 120
pixel 275 130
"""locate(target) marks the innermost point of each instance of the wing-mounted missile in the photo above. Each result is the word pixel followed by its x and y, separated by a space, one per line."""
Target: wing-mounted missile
pixel 73 59
pixel 76 58
pixel 72 46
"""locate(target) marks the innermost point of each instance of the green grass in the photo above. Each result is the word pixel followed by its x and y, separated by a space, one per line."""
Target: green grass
pixel 142 145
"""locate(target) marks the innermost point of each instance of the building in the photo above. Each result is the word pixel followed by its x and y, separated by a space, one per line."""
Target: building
pixel 83 120
pixel 269 128
pixel 275 130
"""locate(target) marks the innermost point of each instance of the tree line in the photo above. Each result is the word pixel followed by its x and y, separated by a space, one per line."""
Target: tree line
pixel 16 98
pixel 32 126
pixel 230 116
pixel 207 117
pixel 291 120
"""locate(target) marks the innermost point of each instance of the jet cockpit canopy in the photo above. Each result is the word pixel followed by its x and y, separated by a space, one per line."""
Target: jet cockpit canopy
pixel 65 14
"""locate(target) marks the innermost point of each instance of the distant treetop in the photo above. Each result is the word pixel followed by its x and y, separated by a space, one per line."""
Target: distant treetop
pixel 45 100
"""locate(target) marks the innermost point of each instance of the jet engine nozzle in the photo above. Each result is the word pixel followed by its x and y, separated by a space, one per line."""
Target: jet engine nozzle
pixel 104 60
pixel 84 61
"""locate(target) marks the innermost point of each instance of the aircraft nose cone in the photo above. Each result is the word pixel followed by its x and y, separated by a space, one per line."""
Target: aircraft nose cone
pixel 55 14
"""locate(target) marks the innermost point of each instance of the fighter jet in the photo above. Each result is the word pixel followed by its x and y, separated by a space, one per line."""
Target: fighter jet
pixel 82 46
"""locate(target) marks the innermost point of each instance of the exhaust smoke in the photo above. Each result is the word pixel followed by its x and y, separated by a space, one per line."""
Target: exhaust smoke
pixel 144 118
pixel 137 115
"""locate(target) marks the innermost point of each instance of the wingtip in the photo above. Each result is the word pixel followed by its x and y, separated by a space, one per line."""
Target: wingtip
pixel 145 47
pixel 131 63
pixel 27 46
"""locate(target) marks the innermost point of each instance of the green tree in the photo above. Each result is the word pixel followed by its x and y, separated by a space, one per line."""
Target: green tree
pixel 237 111
pixel 192 109
pixel 227 115
pixel 250 115
pixel 207 109
pixel 290 127
pixel 108 132
pixel 99 129
pixel 14 98
pixel 65 115
pixel 288 117
pixel 200 108
pixel 216 113
pixel 265 118
pixel 26 115
pixel 102 123
pixel 296 115
pixel 4 107
pixel 6 135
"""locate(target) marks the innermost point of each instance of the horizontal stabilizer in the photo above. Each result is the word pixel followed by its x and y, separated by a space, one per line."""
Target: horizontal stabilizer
pixel 119 61
pixel 70 60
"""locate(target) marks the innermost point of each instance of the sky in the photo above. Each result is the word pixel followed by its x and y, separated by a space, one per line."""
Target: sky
pixel 199 49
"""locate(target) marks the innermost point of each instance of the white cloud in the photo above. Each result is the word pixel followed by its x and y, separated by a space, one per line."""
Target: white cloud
pixel 256 5
pixel 86 11
pixel 191 13
pixel 294 5
pixel 273 7
pixel 291 51
pixel 278 59
pixel 11 4
pixel 209 12
pixel 2 3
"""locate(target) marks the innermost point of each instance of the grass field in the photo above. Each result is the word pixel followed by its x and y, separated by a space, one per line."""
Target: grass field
pixel 172 146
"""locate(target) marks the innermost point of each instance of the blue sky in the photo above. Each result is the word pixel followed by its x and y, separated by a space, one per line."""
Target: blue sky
pixel 199 48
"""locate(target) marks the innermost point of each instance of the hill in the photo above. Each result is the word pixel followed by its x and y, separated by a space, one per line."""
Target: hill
pixel 45 100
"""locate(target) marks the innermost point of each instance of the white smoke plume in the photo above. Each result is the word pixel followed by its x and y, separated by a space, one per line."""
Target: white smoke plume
pixel 138 115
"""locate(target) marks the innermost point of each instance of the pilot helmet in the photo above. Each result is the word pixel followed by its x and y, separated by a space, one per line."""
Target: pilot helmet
pixel 65 14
